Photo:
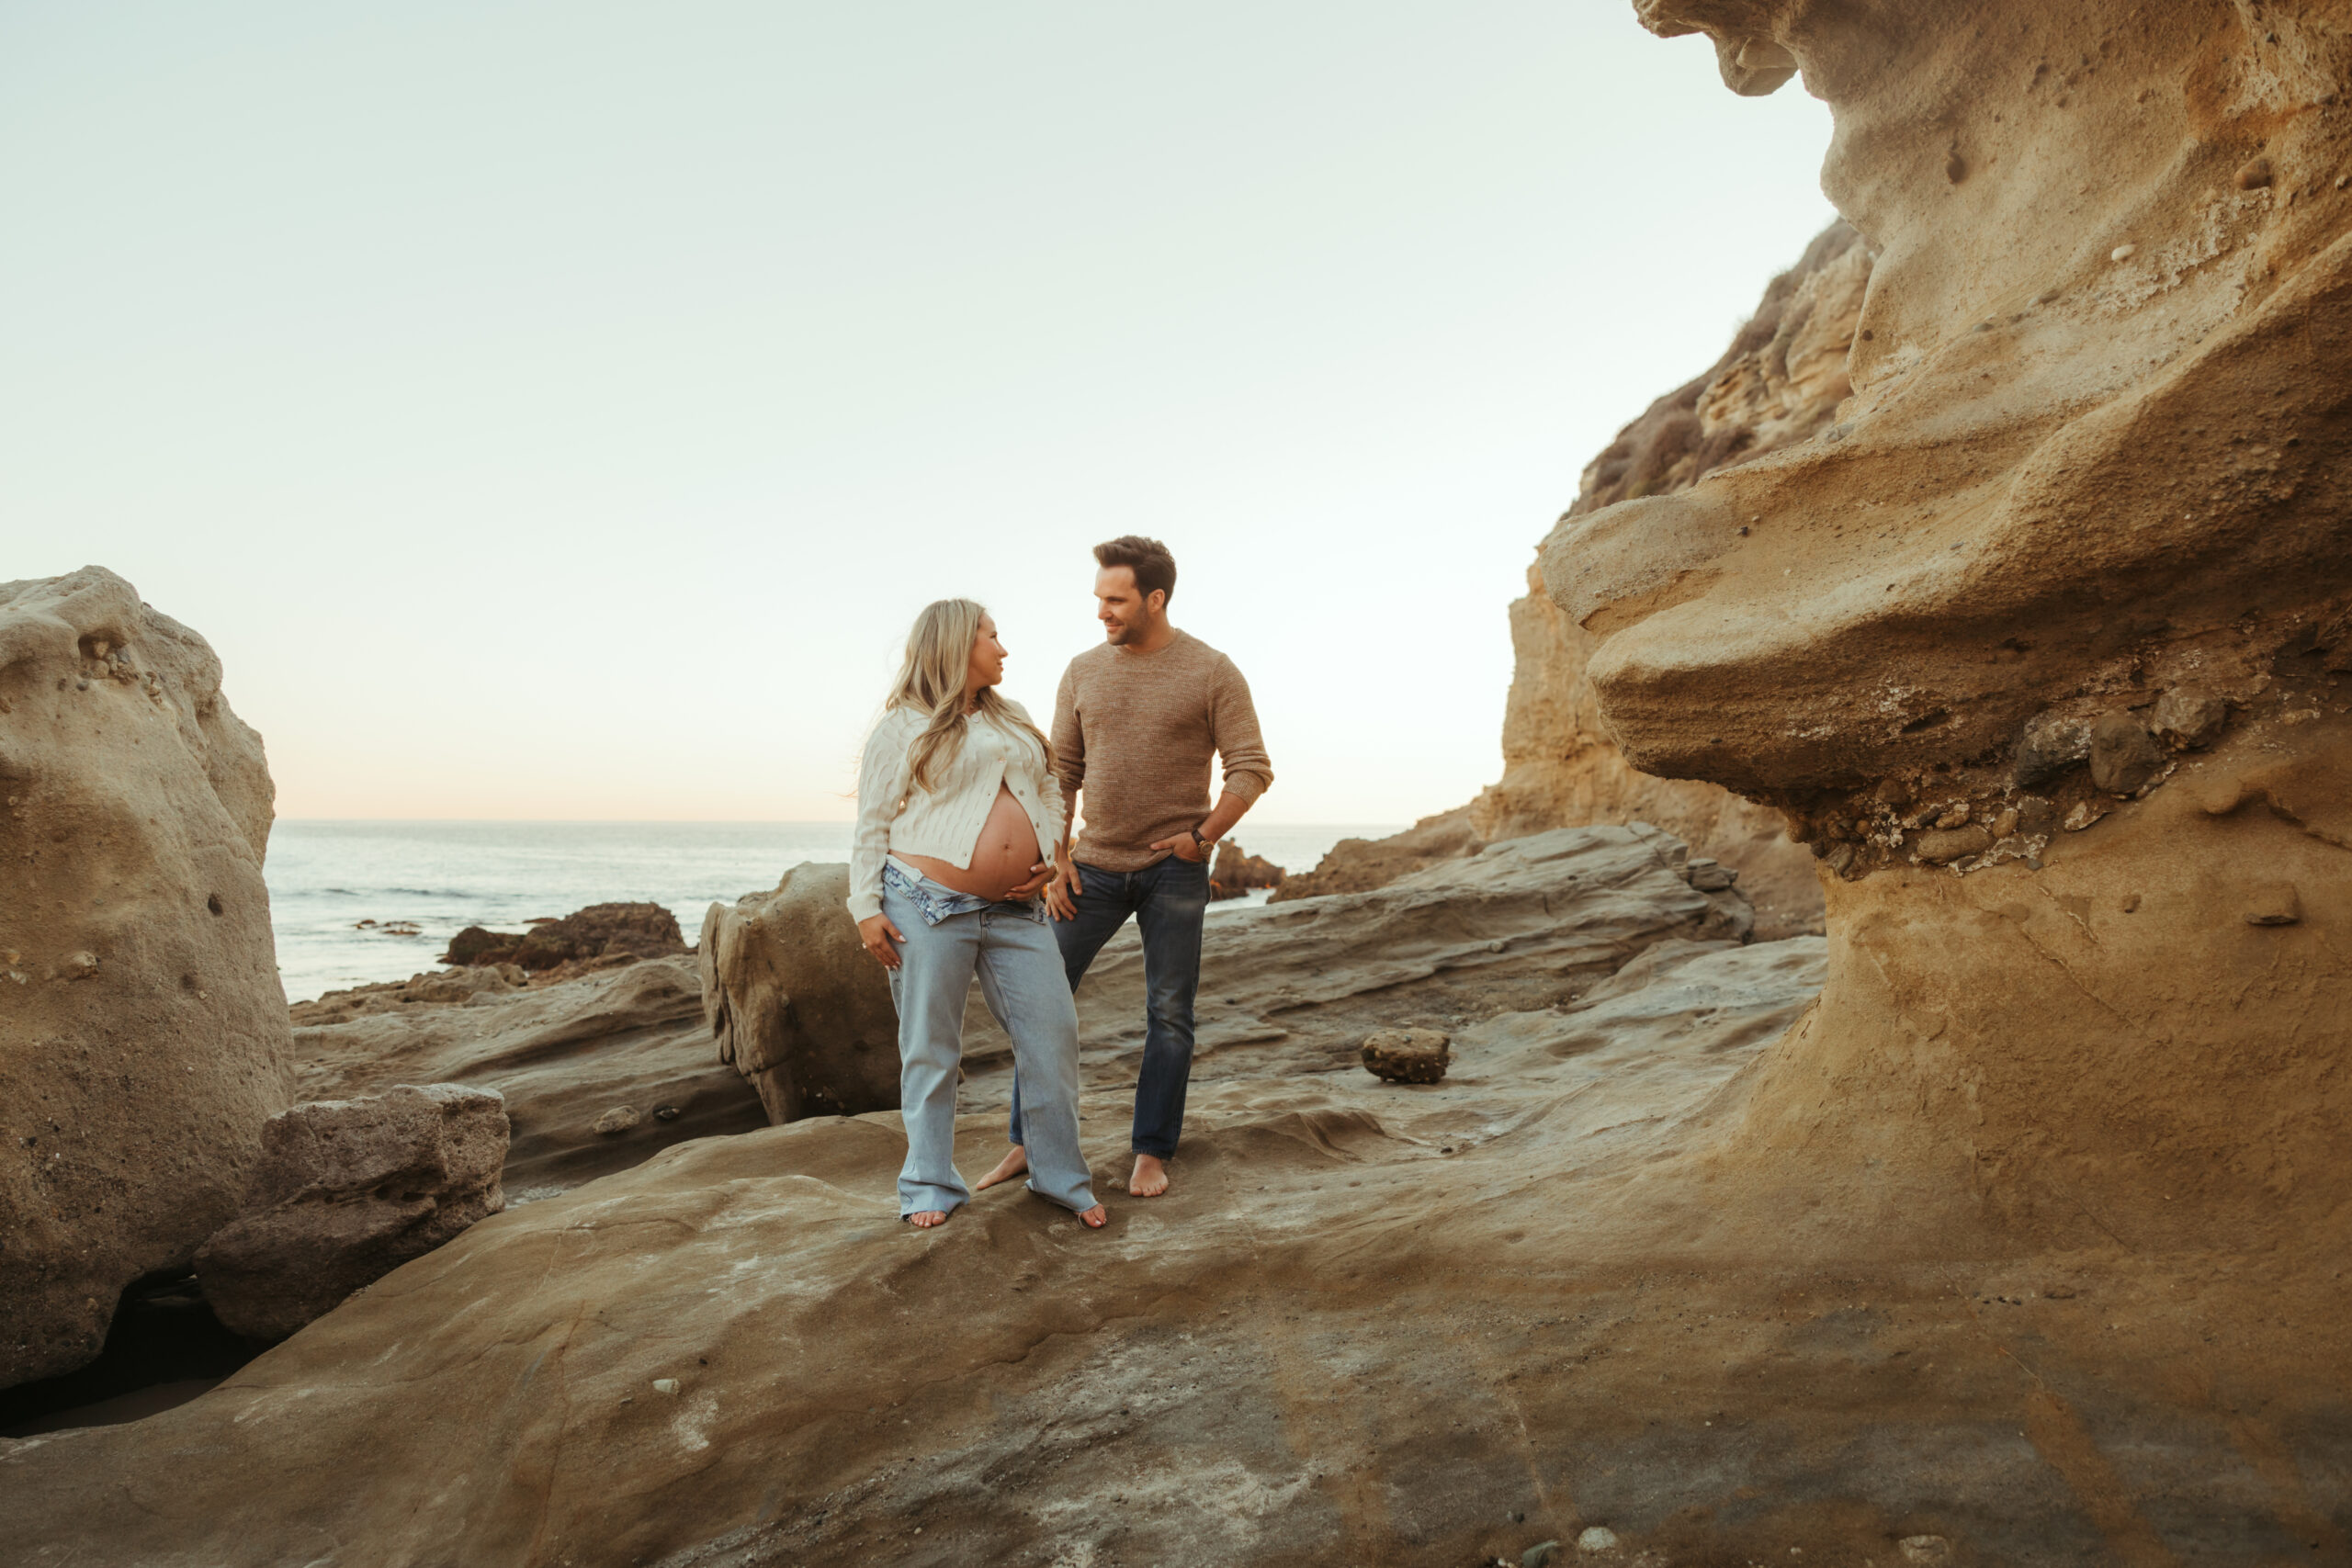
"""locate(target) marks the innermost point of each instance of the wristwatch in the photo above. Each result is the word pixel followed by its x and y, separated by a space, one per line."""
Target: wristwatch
pixel 1200 843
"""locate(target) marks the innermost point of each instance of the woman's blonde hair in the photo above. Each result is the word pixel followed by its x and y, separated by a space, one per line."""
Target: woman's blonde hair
pixel 931 681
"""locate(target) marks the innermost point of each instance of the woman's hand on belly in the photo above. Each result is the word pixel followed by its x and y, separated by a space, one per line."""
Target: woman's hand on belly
pixel 1006 861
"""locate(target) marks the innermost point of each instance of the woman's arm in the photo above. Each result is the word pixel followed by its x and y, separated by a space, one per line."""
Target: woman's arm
pixel 881 785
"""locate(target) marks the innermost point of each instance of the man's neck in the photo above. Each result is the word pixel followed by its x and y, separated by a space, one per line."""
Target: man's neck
pixel 1152 641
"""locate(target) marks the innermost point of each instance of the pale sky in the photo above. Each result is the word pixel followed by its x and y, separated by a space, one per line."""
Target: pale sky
pixel 560 410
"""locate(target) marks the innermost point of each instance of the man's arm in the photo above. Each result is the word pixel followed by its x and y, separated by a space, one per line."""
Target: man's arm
pixel 1069 771
pixel 1233 728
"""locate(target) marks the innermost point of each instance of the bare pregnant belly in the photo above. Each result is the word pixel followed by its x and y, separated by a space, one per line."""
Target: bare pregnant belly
pixel 1000 861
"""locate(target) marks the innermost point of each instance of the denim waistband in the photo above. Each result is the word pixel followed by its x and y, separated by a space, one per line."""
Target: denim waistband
pixel 937 903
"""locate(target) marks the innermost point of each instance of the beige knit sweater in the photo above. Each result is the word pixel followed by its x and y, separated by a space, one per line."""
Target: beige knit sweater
pixel 1137 731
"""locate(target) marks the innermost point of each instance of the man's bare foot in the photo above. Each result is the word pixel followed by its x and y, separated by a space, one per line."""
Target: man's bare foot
pixel 924 1219
pixel 1014 1164
pixel 1094 1219
pixel 1151 1178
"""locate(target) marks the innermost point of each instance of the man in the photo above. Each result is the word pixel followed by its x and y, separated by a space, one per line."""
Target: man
pixel 1136 725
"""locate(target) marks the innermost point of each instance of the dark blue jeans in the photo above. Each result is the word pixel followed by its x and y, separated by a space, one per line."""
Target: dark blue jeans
pixel 1167 901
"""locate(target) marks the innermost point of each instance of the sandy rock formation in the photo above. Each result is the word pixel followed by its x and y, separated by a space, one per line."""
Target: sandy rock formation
pixel 612 932
pixel 143 1029
pixel 2094 467
pixel 561 1054
pixel 346 1191
pixel 1237 872
pixel 794 1002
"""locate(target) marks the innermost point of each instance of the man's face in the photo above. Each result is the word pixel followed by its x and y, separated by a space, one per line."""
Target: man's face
pixel 1127 616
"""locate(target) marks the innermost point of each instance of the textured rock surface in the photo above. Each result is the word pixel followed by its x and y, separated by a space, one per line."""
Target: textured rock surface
pixel 143 1029
pixel 347 1191
pixel 1521 925
pixel 733 1353
pixel 562 1054
pixel 796 1003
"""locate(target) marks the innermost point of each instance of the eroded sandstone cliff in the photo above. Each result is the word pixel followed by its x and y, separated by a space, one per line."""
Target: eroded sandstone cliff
pixel 2058 606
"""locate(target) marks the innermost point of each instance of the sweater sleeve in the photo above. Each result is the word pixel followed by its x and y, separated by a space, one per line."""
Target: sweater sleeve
pixel 1049 789
pixel 1069 743
pixel 881 786
pixel 1233 724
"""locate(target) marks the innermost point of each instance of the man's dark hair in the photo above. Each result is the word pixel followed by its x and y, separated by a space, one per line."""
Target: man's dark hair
pixel 1147 558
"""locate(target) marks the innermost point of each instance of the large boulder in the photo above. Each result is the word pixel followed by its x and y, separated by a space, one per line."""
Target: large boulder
pixel 794 1002
pixel 347 1191
pixel 143 1029
pixel 563 1053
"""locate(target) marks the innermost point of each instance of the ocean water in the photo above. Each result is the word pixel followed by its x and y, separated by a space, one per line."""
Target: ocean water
pixel 427 881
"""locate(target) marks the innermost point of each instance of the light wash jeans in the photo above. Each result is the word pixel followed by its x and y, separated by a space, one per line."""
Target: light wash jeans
pixel 952 937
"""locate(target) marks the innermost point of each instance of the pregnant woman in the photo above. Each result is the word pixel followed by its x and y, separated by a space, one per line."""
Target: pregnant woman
pixel 956 807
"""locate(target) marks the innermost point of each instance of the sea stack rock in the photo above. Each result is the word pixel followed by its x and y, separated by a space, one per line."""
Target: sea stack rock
pixel 143 1035
pixel 347 1191
pixel 796 1003
pixel 2086 461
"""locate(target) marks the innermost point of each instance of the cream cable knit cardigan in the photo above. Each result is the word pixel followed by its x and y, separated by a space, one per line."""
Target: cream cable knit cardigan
pixel 942 822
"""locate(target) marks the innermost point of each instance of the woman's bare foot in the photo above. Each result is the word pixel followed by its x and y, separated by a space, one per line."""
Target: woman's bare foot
pixel 1094 1219
pixel 1014 1164
pixel 924 1219
pixel 1151 1178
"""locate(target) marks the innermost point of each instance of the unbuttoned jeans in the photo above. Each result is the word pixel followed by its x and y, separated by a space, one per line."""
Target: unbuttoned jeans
pixel 950 938
pixel 1169 900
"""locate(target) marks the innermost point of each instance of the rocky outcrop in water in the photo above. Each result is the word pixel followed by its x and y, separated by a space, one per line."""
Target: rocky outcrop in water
pixel 143 1029
pixel 347 1191
pixel 612 932
pixel 796 1004
pixel 1237 872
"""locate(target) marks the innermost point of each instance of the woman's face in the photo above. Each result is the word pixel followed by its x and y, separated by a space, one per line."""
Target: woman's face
pixel 987 656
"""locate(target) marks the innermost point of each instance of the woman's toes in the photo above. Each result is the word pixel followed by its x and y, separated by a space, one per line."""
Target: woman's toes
pixel 1095 1218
